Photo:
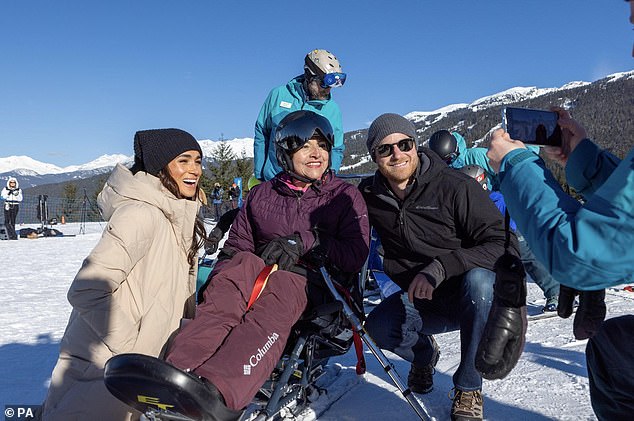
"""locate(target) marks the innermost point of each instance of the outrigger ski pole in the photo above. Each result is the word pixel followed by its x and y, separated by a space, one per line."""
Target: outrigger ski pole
pixel 421 411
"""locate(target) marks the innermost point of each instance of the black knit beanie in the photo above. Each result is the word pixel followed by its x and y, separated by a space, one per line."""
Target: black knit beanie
pixel 386 124
pixel 154 149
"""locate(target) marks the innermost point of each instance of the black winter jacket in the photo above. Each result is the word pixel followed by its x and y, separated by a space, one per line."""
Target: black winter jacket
pixel 445 216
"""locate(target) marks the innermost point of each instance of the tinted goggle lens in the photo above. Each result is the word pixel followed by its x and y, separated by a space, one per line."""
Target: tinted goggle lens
pixel 333 80
pixel 292 143
pixel 387 149
pixel 294 134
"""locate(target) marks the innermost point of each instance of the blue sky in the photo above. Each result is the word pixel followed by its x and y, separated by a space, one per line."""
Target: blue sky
pixel 78 78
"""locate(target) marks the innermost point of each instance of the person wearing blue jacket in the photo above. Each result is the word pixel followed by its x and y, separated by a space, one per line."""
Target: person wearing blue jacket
pixel 587 246
pixel 310 91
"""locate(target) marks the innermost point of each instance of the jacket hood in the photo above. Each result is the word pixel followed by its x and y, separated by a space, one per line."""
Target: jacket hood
pixel 123 188
pixel 17 184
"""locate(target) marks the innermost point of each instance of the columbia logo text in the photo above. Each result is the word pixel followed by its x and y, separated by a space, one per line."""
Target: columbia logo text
pixel 255 359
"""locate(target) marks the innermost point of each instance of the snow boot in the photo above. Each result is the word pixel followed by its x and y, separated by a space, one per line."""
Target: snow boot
pixel 551 304
pixel 467 406
pixel 420 378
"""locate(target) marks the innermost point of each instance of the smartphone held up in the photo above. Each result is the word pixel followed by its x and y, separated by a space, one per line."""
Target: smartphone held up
pixel 533 127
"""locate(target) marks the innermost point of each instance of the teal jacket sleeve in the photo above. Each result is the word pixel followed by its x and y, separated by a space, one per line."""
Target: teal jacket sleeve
pixel 589 166
pixel 334 116
pixel 261 137
pixel 586 247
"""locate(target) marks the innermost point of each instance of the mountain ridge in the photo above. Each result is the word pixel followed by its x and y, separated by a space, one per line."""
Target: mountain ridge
pixel 604 107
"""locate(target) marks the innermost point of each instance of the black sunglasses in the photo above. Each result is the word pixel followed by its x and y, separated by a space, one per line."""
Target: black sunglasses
pixel 387 149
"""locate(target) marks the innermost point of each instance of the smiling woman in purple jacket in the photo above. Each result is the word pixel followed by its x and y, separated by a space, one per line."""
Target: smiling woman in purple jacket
pixel 234 348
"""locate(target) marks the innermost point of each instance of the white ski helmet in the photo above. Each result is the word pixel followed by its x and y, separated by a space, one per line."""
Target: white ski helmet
pixel 321 62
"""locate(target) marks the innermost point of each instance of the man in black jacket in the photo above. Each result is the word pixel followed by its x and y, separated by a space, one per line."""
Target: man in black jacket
pixel 441 236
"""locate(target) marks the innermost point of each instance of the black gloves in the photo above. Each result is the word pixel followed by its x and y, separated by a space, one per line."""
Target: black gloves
pixel 590 313
pixel 566 301
pixel 223 225
pixel 211 246
pixel 285 251
pixel 503 338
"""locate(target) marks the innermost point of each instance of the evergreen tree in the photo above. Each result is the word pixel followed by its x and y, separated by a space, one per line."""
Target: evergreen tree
pixel 244 169
pixel 222 170
pixel 69 199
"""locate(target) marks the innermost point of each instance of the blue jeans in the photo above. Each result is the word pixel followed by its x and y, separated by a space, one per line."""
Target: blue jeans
pixel 536 270
pixel 460 303
pixel 611 369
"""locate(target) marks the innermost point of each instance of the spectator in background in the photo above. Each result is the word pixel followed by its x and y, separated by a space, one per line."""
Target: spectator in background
pixel 309 91
pixel 216 200
pixel 139 281
pixel 452 148
pixel 234 195
pixel 12 195
pixel 587 246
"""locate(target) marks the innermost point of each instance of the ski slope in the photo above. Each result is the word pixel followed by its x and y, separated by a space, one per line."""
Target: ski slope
pixel 549 382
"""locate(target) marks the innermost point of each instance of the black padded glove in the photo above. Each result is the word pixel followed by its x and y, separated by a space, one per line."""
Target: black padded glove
pixel 317 256
pixel 566 301
pixel 285 251
pixel 590 313
pixel 503 338
pixel 213 240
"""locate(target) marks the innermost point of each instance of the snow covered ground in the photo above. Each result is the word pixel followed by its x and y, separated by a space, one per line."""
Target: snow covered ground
pixel 549 383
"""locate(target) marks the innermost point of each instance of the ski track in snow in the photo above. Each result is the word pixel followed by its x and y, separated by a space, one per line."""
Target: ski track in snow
pixel 549 382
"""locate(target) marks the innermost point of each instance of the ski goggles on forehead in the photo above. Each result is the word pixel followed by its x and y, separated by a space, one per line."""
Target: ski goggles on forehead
pixel 333 80
pixel 387 149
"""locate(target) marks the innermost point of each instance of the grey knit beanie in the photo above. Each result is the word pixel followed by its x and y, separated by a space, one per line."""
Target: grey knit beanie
pixel 385 125
pixel 154 149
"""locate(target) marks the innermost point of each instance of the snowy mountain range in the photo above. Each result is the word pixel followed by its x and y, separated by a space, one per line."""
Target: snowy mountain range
pixel 32 172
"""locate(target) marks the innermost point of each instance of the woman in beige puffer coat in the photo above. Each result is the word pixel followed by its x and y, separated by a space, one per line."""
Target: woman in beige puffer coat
pixel 139 281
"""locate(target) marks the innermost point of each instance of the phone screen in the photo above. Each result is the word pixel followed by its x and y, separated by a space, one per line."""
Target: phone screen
pixel 535 127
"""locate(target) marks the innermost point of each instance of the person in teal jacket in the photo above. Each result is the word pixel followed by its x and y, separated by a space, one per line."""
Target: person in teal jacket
pixel 587 246
pixel 310 91
pixel 452 147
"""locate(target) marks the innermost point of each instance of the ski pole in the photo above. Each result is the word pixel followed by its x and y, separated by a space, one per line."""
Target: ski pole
pixel 422 412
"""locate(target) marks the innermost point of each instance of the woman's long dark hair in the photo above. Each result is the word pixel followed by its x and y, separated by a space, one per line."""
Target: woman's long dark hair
pixel 199 237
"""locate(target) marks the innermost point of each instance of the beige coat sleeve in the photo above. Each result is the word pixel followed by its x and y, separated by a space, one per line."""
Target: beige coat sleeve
pixel 93 292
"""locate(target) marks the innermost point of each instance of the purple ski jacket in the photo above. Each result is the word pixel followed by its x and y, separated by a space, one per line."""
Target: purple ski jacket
pixel 223 339
pixel 273 210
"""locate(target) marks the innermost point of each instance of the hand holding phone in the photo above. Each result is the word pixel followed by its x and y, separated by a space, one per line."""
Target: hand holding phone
pixel 501 144
pixel 533 127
